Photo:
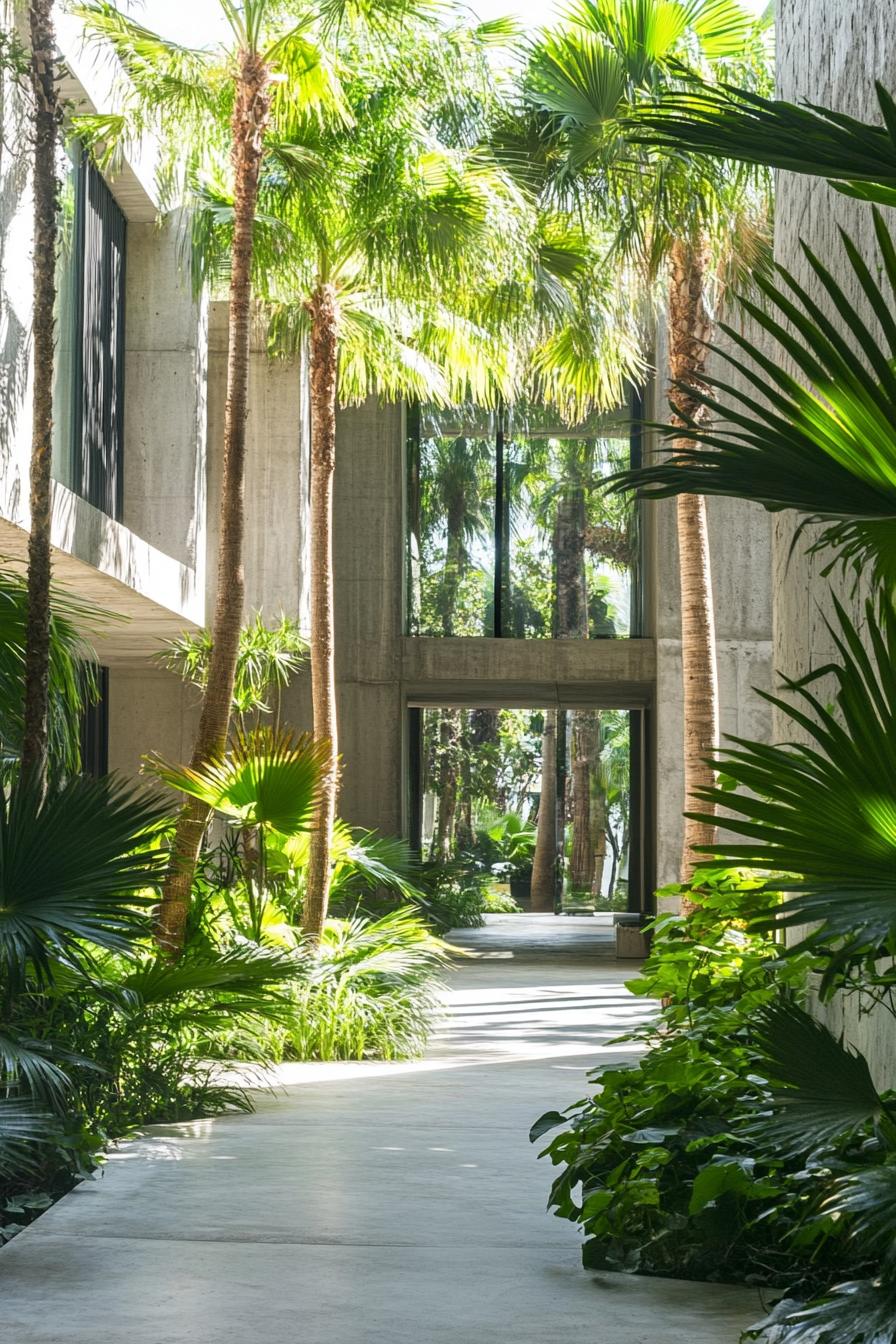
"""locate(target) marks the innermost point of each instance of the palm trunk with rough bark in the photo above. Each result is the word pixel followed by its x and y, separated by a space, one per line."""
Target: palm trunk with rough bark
pixel 46 115
pixel 599 844
pixel 449 731
pixel 249 124
pixel 689 328
pixel 585 735
pixel 324 310
pixel 544 864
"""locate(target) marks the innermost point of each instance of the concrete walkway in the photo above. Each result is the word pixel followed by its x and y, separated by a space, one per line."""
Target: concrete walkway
pixel 367 1204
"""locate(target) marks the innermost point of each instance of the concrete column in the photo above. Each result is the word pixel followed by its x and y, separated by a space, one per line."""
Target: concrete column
pixel 369 587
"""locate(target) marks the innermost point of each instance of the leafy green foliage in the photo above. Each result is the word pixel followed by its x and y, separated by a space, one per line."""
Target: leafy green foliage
pixel 823 808
pixel 515 840
pixel 72 684
pixel 656 1168
pixel 821 443
pixel 267 778
pixel 733 123
pixel 71 871
pixel 268 658
pixel 370 990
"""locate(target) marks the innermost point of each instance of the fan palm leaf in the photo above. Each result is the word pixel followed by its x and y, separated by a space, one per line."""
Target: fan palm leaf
pixel 824 809
pixel 821 1090
pixel 72 870
pixel 824 445
pixel 268 777
pixel 73 683
pixel 24 1129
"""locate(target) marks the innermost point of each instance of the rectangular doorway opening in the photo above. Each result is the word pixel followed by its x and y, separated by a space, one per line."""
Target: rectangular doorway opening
pixel 544 809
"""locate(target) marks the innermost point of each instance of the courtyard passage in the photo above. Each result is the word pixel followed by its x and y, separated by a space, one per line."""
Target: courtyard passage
pixel 372 1203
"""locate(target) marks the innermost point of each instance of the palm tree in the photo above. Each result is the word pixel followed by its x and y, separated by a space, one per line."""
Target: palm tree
pixel 220 112
pixel 389 227
pixel 585 80
pixel 47 115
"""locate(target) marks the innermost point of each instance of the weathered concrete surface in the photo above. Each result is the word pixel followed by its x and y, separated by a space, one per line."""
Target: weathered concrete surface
pixel 740 554
pixel 147 567
pixel 368 1204
pixel 828 53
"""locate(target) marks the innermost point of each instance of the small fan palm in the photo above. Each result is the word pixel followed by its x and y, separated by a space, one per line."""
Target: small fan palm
pixel 269 778
pixel 73 870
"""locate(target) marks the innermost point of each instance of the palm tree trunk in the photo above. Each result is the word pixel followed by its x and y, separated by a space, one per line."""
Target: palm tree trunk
pixel 324 309
pixel 448 751
pixel 599 841
pixel 248 126
pixel 689 328
pixel 584 743
pixel 37 638
pixel 544 863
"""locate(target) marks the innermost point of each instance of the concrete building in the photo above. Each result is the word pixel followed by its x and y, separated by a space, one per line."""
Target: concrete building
pixel 134 521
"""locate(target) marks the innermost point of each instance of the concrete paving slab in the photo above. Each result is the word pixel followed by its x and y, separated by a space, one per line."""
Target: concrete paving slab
pixel 367 1203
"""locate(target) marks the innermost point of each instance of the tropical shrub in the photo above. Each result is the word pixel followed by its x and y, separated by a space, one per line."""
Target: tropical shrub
pixel 454 895
pixel 369 990
pixel 656 1168
pixel 500 903
pixel 515 840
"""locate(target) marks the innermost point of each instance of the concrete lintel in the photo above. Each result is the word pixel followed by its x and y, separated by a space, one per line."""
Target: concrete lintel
pixel 528 672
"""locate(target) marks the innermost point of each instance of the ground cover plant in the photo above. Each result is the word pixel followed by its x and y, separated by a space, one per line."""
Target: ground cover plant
pixel 656 1167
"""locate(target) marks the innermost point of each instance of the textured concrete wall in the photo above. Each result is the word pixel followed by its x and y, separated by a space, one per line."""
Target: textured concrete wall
pixel 829 53
pixel 740 546
pixel 166 340
pixel 276 546
pixel 368 562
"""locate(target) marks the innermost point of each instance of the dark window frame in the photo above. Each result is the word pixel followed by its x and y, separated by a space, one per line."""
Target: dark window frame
pixel 98 342
pixel 500 431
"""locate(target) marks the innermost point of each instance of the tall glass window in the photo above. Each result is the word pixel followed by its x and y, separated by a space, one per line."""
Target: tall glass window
pixel 511 532
pixel 89 391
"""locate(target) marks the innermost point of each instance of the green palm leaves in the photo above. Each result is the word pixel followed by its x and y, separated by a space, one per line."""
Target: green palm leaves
pixel 824 808
pixel 820 439
pixel 821 1090
pixel 268 778
pixel 731 123
pixel 70 865
pixel 72 677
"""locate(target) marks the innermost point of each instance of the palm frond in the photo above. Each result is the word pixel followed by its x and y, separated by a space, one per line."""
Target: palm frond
pixel 24 1130
pixel 270 777
pixel 858 157
pixel 73 867
pixel 824 446
pixel 867 1197
pixel 73 683
pixel 861 1311
pixel 821 1090
pixel 824 808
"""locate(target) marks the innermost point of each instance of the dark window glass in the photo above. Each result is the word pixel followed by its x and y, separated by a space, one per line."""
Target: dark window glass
pixel 95 731
pixel 89 408
pixel 511 531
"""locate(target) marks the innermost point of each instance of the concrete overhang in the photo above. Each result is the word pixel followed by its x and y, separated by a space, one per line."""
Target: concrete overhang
pixel 146 596
pixel 529 673
pixel 92 83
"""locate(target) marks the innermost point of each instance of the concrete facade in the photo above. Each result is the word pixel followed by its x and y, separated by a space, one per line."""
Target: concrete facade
pixel 828 53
